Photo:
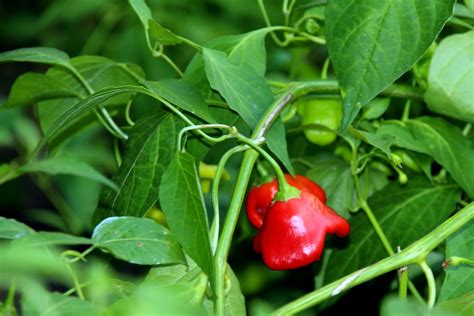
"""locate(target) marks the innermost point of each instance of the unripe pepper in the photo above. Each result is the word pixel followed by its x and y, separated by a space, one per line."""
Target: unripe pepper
pixel 260 198
pixel 294 231
pixel 324 112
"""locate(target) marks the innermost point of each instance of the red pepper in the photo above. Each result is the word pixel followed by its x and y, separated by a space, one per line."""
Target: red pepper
pixel 260 198
pixel 294 231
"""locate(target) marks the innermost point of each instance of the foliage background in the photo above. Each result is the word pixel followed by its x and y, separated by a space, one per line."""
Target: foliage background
pixel 110 28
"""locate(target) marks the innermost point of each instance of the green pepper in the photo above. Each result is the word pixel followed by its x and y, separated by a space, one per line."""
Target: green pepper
pixel 326 114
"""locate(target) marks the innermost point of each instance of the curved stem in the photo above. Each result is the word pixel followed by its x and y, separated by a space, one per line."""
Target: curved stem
pixel 275 38
pixel 194 45
pixel 282 184
pixel 215 193
pixel 415 253
pixel 403 282
pixel 431 283
pixel 204 126
pixel 102 114
pixel 118 156
pixel 128 118
pixel 75 281
pixel 172 64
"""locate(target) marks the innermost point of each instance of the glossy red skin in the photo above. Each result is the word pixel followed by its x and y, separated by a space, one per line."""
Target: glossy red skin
pixel 260 198
pixel 294 231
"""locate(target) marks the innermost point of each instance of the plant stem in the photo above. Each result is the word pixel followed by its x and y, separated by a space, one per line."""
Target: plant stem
pixel 102 114
pixel 373 220
pixel 75 281
pixel 332 87
pixel 10 299
pixel 282 184
pixel 431 283
pixel 215 193
pixel 172 64
pixel 204 126
pixel 220 258
pixel 403 279
pixel 415 253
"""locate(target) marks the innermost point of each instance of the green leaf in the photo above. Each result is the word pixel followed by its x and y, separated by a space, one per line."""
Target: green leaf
pixel 11 229
pixel 99 72
pixel 65 165
pixel 148 152
pixel 137 240
pixel 248 94
pixel 234 302
pixel 42 55
pixel 470 4
pixel 335 177
pixel 393 305
pixel 190 279
pixel 418 208
pixel 56 304
pixel 380 141
pixel 461 306
pixel 247 48
pixel 174 299
pixel 459 279
pixel 442 141
pixel 182 201
pixel 32 264
pixel 34 87
pixel 46 239
pixel 144 14
pixel 161 35
pixel 450 82
pixel 373 42
pixel 7 173
pixel 183 95
pixel 73 114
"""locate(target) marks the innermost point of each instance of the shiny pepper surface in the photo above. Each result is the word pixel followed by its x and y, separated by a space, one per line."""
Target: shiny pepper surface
pixel 260 198
pixel 294 231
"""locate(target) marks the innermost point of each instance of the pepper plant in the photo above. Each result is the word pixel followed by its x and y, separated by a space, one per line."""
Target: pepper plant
pixel 129 181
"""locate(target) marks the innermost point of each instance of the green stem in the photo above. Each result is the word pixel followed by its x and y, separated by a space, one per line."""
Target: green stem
pixel 363 204
pixel 217 103
pixel 204 126
pixel 194 45
pixel 332 87
pixel 406 111
pixel 403 279
pixel 414 254
pixel 220 258
pixel 287 8
pixel 118 156
pixel 102 114
pixel 75 281
pixel 215 193
pixel 275 38
pixel 431 283
pixel 282 184
pixel 373 220
pixel 172 64
pixel 128 118
pixel 10 299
